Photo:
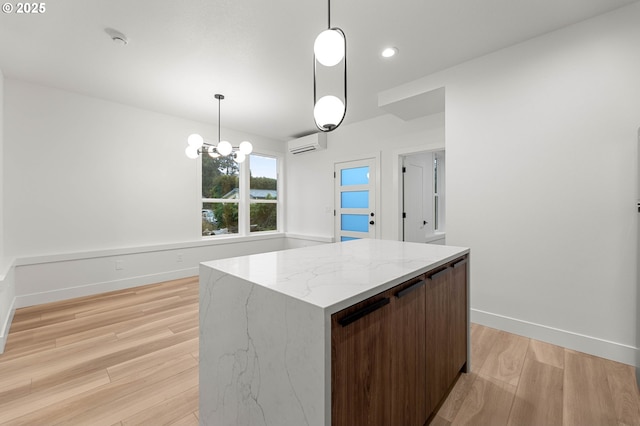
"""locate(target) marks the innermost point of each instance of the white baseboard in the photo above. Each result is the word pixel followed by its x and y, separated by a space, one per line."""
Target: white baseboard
pixel 579 342
pixel 6 325
pixel 102 287
pixel 7 299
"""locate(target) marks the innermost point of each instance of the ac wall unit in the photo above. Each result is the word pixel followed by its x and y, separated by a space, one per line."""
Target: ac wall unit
pixel 309 143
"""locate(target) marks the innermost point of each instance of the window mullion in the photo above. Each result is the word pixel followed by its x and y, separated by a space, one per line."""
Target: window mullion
pixel 243 211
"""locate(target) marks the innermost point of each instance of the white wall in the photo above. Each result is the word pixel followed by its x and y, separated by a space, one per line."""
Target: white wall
pixel 2 172
pixel 7 287
pixel 310 186
pixel 92 184
pixel 541 182
pixel 86 174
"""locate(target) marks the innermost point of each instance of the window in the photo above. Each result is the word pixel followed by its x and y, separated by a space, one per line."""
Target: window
pixel 229 190
pixel 438 191
pixel 220 188
pixel 263 193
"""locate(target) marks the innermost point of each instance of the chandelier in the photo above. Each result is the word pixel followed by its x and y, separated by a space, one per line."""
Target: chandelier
pixel 198 145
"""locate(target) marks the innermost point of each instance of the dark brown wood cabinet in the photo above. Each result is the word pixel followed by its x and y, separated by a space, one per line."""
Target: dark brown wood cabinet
pixel 361 348
pixel 395 355
pixel 408 370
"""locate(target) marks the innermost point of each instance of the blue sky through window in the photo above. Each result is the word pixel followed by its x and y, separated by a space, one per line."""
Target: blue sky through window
pixel 263 166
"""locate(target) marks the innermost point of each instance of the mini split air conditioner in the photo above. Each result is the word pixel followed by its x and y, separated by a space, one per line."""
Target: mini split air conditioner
pixel 309 143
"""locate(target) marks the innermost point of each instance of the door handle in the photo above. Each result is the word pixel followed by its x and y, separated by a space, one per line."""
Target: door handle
pixel 416 285
pixel 435 275
pixel 355 316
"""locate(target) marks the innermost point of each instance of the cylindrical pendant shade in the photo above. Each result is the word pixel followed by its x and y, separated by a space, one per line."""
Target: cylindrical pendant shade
pixel 328 112
pixel 329 47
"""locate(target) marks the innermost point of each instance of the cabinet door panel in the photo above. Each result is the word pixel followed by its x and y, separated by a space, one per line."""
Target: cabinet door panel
pixel 458 324
pixel 408 374
pixel 437 337
pixel 361 366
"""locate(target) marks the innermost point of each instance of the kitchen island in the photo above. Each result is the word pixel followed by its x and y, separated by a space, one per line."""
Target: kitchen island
pixel 359 332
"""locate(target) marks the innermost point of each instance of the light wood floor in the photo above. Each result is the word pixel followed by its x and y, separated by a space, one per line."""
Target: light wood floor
pixel 131 357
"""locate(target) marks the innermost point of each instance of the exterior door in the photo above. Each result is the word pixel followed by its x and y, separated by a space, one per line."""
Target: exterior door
pixel 355 200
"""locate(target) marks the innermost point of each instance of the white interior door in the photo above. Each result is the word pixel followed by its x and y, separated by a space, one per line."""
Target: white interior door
pixel 414 220
pixel 355 199
pixel 417 197
pixel 638 274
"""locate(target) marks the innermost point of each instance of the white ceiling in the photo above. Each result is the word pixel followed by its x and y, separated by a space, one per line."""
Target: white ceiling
pixel 259 53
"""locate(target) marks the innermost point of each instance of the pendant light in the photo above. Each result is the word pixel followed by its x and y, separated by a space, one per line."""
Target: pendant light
pixel 329 49
pixel 197 145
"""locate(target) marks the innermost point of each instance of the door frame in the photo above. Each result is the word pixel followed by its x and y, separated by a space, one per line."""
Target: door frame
pixel 375 156
pixel 396 174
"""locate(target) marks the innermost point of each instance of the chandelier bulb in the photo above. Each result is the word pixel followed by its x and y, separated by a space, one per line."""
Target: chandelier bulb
pixel 195 140
pixel 192 152
pixel 224 148
pixel 328 112
pixel 329 47
pixel 245 147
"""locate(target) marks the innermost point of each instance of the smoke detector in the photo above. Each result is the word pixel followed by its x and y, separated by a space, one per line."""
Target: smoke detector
pixel 117 36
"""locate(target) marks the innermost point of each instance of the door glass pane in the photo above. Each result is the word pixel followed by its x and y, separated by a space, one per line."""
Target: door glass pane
pixel 348 238
pixel 354 199
pixel 355 222
pixel 354 176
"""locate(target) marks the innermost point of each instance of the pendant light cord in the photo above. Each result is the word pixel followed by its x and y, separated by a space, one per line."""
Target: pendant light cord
pixel 329 14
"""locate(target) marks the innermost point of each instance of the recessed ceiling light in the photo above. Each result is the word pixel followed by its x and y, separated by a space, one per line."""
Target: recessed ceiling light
pixel 389 52
pixel 117 36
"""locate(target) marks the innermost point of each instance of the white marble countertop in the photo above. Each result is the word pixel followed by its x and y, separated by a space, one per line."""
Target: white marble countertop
pixel 334 276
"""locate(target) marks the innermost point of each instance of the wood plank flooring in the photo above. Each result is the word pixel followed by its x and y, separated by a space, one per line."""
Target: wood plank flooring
pixel 131 358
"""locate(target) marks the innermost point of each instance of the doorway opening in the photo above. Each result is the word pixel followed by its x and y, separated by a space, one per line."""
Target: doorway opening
pixel 423 201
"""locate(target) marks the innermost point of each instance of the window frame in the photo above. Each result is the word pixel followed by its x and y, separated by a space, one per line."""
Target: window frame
pixel 258 201
pixel 244 200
